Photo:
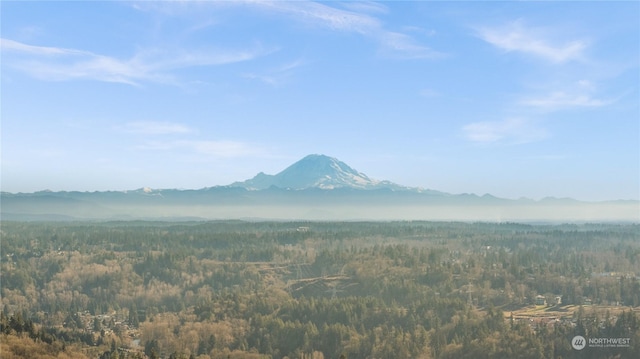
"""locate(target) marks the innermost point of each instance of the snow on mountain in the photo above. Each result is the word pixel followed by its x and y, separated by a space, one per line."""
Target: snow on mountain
pixel 305 190
pixel 317 171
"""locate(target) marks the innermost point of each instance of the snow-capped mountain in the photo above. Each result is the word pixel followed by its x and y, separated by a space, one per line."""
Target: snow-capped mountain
pixel 317 171
pixel 317 187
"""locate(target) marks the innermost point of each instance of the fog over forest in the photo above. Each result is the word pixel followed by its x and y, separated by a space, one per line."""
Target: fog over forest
pixel 207 179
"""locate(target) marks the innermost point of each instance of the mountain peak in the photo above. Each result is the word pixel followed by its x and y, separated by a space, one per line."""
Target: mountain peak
pixel 316 171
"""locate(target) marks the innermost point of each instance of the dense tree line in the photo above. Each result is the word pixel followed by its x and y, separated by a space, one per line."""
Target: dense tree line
pixel 317 290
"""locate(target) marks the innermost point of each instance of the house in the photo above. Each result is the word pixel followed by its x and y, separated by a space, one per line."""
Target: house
pixel 541 300
pixel 558 299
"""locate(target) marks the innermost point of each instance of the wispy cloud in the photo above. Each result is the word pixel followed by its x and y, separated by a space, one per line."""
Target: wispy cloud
pixel 61 64
pixel 223 148
pixel 277 76
pixel 350 17
pixel 559 100
pixel 366 7
pixel 401 45
pixel 156 128
pixel 575 95
pixel 548 157
pixel 323 15
pixel 185 143
pixel 509 131
pixel 15 46
pixel 515 36
pixel 209 148
pixel 393 43
pixel 355 17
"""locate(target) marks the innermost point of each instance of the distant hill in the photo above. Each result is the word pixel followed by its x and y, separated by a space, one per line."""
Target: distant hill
pixel 317 187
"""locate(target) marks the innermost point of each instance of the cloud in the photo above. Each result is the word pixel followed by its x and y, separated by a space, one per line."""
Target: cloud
pixel 401 45
pixel 366 6
pixel 209 148
pixel 15 46
pixel 355 17
pixel 559 99
pixel 156 128
pixel 509 131
pixel 277 76
pixel 62 64
pixel 576 95
pixel 222 148
pixel 549 157
pixel 323 15
pixel 516 37
pixel 396 44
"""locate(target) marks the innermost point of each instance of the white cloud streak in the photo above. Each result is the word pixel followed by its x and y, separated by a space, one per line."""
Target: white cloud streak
pixel 62 64
pixel 366 7
pixel 356 18
pixel 576 95
pixel 209 148
pixel 509 131
pixel 155 128
pixel 15 46
pixel 277 76
pixel 516 37
pixel 560 100
pixel 392 43
pixel 323 15
pixel 397 44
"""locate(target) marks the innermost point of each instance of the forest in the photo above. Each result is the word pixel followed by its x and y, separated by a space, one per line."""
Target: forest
pixel 315 290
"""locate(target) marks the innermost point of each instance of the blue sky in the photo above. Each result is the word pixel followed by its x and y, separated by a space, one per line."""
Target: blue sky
pixel 516 99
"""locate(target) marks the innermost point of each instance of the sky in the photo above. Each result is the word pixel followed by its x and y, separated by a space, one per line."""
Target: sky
pixel 515 99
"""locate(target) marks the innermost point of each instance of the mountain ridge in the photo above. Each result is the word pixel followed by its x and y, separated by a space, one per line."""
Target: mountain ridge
pixel 317 187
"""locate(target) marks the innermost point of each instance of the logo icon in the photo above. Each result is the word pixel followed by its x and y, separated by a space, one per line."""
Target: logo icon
pixel 578 342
